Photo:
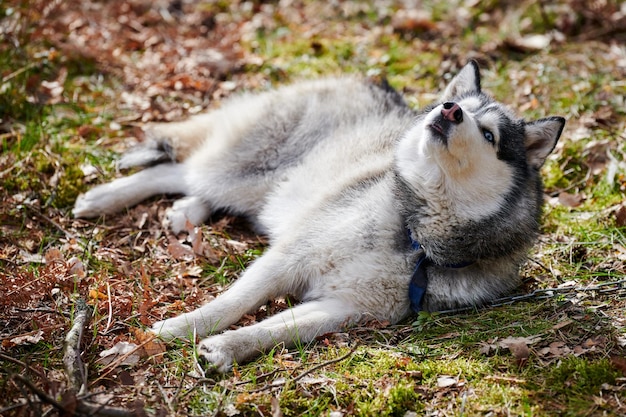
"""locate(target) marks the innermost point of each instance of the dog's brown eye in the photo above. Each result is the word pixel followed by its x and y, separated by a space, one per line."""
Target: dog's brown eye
pixel 489 136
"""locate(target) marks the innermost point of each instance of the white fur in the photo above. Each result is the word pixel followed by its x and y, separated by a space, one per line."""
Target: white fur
pixel 466 172
pixel 328 202
pixel 188 209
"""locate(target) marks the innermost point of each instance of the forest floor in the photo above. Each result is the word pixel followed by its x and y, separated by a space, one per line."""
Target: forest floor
pixel 78 80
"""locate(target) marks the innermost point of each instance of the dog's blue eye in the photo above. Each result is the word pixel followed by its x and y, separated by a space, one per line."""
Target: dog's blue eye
pixel 489 136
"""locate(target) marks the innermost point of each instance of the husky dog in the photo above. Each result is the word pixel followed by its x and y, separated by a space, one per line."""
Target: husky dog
pixel 372 210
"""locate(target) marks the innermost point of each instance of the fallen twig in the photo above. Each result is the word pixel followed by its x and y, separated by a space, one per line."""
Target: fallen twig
pixel 21 403
pixel 323 364
pixel 110 318
pixel 505 379
pixel 42 310
pixel 39 393
pixel 94 409
pixel 40 214
pixel 25 365
pixel 306 372
pixel 81 407
pixel 74 366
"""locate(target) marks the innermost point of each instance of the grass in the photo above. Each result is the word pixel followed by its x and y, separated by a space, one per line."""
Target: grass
pixel 54 147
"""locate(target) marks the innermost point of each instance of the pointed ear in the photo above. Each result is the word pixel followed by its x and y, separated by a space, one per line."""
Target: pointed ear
pixel 466 81
pixel 541 138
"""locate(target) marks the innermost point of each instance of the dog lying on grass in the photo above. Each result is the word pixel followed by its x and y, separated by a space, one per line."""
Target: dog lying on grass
pixel 370 207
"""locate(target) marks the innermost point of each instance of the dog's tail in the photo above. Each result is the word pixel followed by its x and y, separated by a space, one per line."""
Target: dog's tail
pixel 166 142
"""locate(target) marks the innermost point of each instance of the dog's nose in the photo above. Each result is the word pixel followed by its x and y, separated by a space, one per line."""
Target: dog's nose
pixel 452 111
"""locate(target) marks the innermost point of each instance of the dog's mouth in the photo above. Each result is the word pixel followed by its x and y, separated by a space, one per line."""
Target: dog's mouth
pixel 440 128
pixel 437 128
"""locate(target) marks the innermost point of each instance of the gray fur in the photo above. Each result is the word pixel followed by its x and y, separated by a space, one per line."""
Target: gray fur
pixel 335 172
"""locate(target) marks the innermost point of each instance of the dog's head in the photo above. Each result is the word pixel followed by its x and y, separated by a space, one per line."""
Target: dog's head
pixel 472 159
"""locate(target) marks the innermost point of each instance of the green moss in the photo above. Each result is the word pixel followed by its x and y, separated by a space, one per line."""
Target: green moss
pixel 393 371
pixel 574 382
pixel 395 400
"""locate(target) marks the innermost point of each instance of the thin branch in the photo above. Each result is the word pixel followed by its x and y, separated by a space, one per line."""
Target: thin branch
pixel 39 393
pixel 25 365
pixel 49 220
pixel 259 378
pixel 110 319
pixel 307 372
pixel 94 409
pixel 82 407
pixel 74 366
pixel 18 72
pixel 21 403
pixel 42 310
pixel 175 398
pixel 165 397
pixel 323 364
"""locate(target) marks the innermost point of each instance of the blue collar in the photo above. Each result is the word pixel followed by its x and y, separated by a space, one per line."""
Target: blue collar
pixel 419 279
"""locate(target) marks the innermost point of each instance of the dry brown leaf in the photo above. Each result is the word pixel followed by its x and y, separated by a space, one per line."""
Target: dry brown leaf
pixel 53 255
pixel 487 348
pixel 528 340
pixel 446 381
pixel 518 346
pixel 144 311
pixel 191 272
pixel 128 350
pixel 620 215
pixel 579 350
pixel 151 345
pixel 76 267
pixel 125 378
pixel 596 156
pixel 276 407
pixel 97 295
pixel 595 341
pixel 570 200
pixel 413 20
pixel 619 363
pixel 519 350
pixel 179 251
pixel 29 339
pixel 555 349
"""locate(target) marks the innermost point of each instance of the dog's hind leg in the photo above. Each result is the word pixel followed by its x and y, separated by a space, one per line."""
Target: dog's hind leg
pixel 294 327
pixel 127 191
pixel 168 142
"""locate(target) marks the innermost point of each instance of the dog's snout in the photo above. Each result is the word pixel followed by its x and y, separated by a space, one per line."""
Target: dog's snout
pixel 452 111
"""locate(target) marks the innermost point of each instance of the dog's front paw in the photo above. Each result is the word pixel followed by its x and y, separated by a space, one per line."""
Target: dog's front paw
pixel 216 353
pixel 102 199
pixel 89 204
pixel 173 328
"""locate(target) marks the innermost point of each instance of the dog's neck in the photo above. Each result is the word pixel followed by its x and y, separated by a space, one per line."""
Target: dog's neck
pixel 419 279
pixel 431 226
pixel 450 239
pixel 418 246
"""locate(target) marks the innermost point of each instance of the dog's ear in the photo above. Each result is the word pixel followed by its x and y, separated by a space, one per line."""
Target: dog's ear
pixel 466 81
pixel 541 138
